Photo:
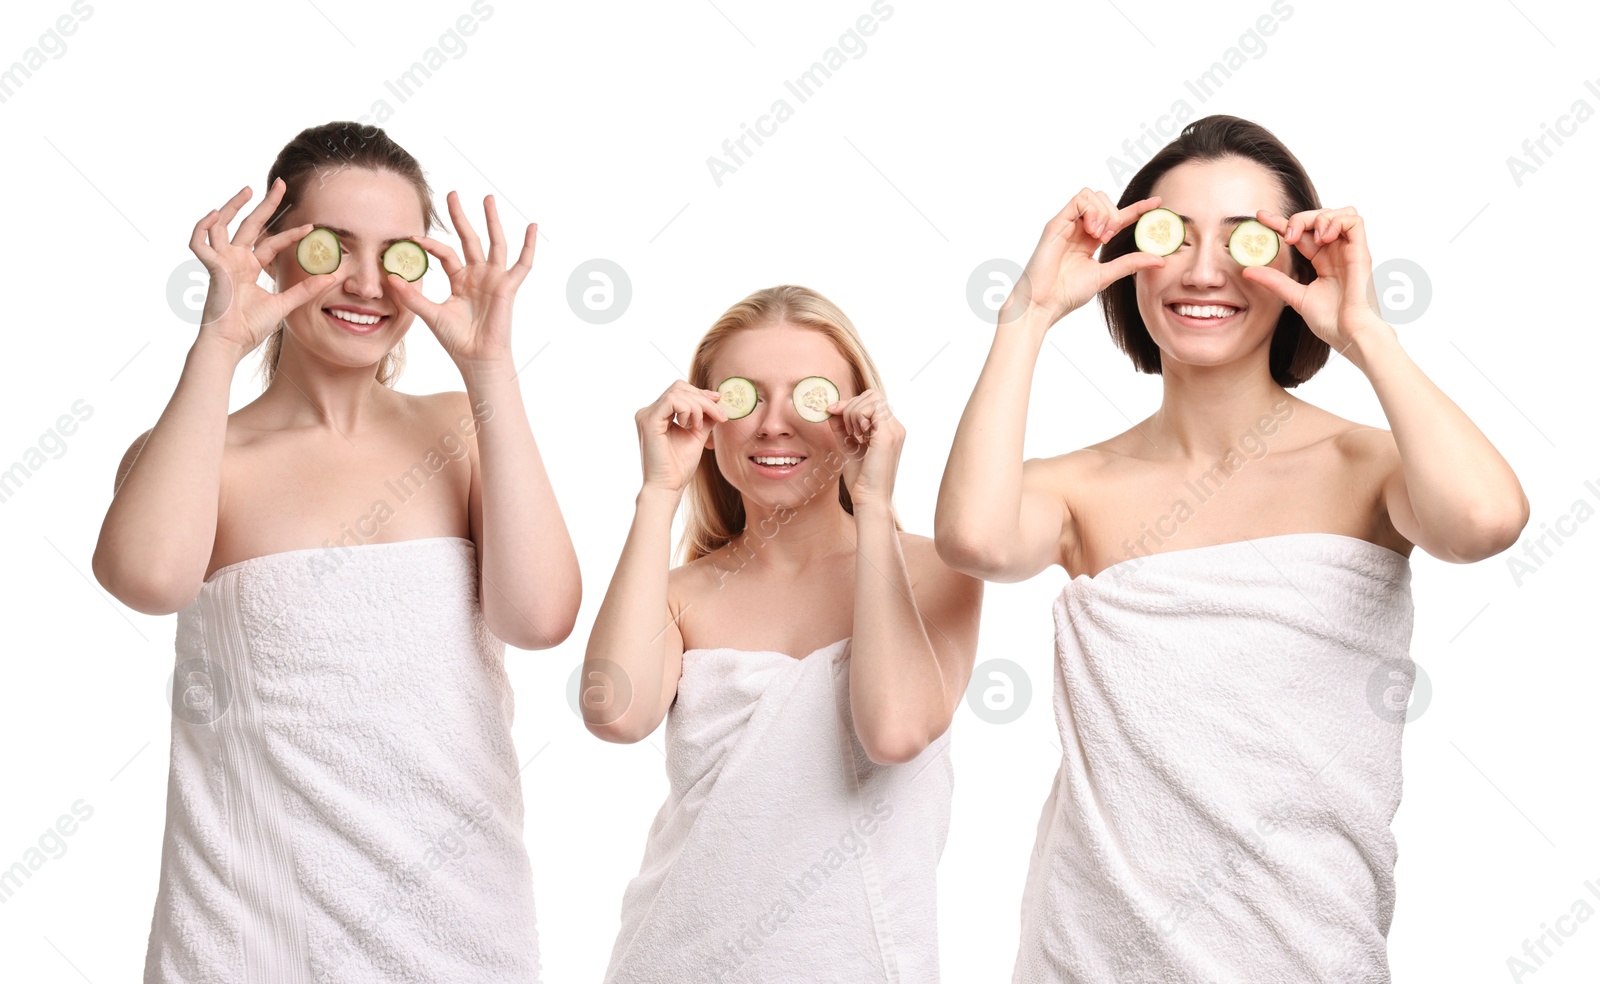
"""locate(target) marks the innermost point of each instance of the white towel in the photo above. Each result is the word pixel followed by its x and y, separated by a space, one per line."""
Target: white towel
pixel 343 802
pixel 783 853
pixel 1231 765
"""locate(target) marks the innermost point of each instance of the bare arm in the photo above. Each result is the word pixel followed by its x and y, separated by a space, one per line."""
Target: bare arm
pixel 914 642
pixel 157 537
pixel 1451 493
pixel 158 533
pixel 998 517
pixel 635 653
pixel 529 586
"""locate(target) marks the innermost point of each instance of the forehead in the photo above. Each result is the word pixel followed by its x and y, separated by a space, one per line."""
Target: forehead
pixel 1208 191
pixel 779 353
pixel 363 201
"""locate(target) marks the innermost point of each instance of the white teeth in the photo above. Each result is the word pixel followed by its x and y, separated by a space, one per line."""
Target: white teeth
pixel 763 460
pixel 353 318
pixel 1204 310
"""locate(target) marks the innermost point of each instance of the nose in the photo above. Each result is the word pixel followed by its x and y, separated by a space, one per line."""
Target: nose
pixel 365 278
pixel 1205 268
pixel 774 416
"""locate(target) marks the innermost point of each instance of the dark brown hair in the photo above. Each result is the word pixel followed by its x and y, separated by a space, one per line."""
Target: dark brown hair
pixel 1296 353
pixel 317 153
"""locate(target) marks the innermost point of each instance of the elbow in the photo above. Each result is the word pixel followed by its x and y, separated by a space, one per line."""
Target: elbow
pixel 894 746
pixel 1493 529
pixel 138 590
pixel 540 628
pixel 966 553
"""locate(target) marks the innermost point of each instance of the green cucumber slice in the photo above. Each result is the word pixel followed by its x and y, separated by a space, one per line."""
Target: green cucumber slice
pixel 812 397
pixel 1158 231
pixel 319 251
pixel 406 260
pixel 738 396
pixel 1253 244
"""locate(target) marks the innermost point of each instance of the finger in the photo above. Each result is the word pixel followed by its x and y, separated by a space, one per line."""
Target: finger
pixel 1328 223
pixel 1123 217
pixel 1108 216
pixel 198 244
pixel 497 239
pixel 1299 222
pixel 471 246
pixel 519 272
pixel 1282 286
pixel 409 295
pixel 271 246
pixel 228 211
pixel 300 293
pixel 217 231
pixel 1128 264
pixel 446 255
pixel 250 229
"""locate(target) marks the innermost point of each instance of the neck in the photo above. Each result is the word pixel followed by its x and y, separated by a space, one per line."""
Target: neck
pixel 1206 410
pixel 788 540
pixel 310 392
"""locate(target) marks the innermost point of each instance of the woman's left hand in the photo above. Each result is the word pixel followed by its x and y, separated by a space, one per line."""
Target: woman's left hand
pixel 1336 305
pixel 870 436
pixel 474 322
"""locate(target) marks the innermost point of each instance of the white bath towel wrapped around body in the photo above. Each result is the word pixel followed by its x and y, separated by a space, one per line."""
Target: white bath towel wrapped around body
pixel 343 802
pixel 782 853
pixel 1231 765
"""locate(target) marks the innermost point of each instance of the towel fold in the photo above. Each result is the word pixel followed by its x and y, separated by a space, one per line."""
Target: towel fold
pixel 782 853
pixel 1222 808
pixel 343 800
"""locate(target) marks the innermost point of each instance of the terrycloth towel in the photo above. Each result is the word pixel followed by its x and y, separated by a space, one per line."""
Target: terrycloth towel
pixel 782 853
pixel 343 802
pixel 1231 764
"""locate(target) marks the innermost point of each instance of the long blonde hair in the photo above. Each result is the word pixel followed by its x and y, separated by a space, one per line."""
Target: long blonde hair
pixel 713 509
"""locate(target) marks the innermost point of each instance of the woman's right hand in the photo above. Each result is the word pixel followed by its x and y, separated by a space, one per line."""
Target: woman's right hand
pixel 237 309
pixel 1063 272
pixel 670 449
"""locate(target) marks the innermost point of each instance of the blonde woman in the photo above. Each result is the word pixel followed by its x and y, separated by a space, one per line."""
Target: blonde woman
pixel 347 563
pixel 808 657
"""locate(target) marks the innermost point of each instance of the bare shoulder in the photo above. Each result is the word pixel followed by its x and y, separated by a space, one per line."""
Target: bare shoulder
pixel 1373 447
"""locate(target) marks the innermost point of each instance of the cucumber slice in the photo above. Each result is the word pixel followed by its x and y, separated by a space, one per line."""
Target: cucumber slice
pixel 1158 231
pixel 1253 244
pixel 812 397
pixel 319 251
pixel 406 259
pixel 738 396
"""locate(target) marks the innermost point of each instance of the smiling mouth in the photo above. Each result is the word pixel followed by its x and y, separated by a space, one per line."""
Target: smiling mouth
pixel 1204 315
pixel 776 466
pixel 359 324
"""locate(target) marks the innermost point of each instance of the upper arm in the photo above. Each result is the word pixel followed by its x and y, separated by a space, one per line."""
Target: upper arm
pixel 950 604
pixel 1044 522
pixel 128 458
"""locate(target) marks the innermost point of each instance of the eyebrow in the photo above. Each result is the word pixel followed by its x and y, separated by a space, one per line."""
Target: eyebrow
pixel 347 234
pixel 1230 220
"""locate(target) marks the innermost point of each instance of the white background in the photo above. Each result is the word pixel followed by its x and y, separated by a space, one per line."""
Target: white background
pixel 948 143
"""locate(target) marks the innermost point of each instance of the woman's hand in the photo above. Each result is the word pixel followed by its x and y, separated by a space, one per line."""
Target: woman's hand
pixel 871 437
pixel 1336 305
pixel 474 322
pixel 237 309
pixel 1063 273
pixel 669 449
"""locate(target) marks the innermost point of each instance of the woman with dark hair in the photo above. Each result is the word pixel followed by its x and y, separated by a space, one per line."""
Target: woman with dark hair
pixel 1239 606
pixel 347 563
pixel 808 658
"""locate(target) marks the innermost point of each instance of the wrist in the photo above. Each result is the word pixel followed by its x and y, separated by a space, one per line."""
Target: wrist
pixel 656 496
pixel 209 345
pixel 1371 341
pixel 478 371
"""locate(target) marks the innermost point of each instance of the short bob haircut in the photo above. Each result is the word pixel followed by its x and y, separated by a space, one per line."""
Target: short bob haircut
pixel 1296 353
